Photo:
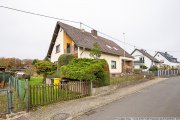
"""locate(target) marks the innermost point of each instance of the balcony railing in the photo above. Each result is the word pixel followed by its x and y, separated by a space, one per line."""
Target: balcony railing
pixel 71 50
pixel 140 62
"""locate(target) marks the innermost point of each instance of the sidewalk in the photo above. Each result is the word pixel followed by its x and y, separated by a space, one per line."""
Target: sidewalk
pixel 74 108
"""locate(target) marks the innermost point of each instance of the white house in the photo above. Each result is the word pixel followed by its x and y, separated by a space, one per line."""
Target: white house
pixel 143 58
pixel 167 59
pixel 67 39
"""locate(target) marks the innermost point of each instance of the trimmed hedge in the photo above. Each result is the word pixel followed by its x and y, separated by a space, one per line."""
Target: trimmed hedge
pixel 93 70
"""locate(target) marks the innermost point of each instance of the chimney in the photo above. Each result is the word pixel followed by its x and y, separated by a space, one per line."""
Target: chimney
pixel 94 33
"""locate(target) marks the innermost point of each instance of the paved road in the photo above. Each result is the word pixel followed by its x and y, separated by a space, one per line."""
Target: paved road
pixel 160 100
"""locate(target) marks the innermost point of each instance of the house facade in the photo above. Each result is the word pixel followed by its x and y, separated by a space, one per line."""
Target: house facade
pixel 70 40
pixel 167 59
pixel 143 58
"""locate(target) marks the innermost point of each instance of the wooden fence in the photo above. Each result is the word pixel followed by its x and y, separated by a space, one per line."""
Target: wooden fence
pixel 45 94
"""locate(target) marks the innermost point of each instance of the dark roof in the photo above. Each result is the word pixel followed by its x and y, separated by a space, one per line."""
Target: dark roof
pixel 86 40
pixel 147 55
pixel 169 57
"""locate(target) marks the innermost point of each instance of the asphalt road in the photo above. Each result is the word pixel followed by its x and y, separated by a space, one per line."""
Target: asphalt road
pixel 160 100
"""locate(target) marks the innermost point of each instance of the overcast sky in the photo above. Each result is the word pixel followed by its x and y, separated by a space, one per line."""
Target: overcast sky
pixel 153 25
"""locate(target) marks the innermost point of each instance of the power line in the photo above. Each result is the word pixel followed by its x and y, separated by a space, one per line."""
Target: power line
pixel 37 14
pixel 60 19
pixel 56 18
pixel 109 36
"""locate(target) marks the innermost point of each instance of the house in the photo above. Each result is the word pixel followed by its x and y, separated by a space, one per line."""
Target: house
pixel 143 58
pixel 67 39
pixel 167 59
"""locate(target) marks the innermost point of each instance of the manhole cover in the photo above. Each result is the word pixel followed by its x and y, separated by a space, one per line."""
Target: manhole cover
pixel 60 116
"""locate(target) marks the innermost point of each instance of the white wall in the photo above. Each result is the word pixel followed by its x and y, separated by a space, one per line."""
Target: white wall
pixel 107 57
pixel 166 62
pixel 59 40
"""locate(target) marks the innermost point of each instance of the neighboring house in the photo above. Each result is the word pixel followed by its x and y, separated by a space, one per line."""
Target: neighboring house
pixel 167 59
pixel 143 58
pixel 70 40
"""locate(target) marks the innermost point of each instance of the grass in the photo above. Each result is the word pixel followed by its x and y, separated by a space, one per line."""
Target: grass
pixel 18 105
pixel 126 79
pixel 36 80
pixel 3 103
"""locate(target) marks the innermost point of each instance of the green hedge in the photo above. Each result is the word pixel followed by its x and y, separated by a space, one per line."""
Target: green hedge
pixel 153 68
pixel 87 69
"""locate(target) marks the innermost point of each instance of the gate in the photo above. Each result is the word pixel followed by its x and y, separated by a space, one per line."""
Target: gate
pixel 10 100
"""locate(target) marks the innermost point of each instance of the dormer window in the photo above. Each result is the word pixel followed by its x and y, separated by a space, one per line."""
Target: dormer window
pixel 115 48
pixel 108 46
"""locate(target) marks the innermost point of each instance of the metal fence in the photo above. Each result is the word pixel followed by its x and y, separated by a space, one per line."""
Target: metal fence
pixel 4 79
pixel 45 94
pixel 167 72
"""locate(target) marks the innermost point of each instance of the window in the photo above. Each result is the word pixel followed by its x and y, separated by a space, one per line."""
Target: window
pixel 108 46
pixel 57 48
pixel 113 64
pixel 75 47
pixel 141 59
pixel 115 48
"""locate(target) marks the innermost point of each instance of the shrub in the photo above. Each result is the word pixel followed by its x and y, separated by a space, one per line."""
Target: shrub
pixel 64 59
pixel 96 51
pixel 150 76
pixel 143 67
pixel 173 68
pixel 153 68
pixel 93 70
pixel 137 71
pixel 45 68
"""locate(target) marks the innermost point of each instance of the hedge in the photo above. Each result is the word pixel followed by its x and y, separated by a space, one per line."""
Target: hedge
pixel 87 69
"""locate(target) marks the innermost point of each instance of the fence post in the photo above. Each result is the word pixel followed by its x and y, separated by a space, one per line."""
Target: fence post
pixel 17 86
pixel 7 95
pixel 91 86
pixel 27 95
pixel 10 97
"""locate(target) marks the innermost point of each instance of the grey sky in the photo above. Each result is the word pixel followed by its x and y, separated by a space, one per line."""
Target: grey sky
pixel 148 24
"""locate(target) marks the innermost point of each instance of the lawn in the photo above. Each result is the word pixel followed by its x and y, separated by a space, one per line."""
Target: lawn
pixel 36 80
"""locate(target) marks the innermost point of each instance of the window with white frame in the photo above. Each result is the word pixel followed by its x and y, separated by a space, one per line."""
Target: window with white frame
pixel 113 64
pixel 58 48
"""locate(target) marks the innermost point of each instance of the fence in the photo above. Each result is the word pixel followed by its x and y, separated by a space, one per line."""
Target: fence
pixel 45 94
pixel 4 103
pixel 167 72
pixel 4 78
pixel 19 87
